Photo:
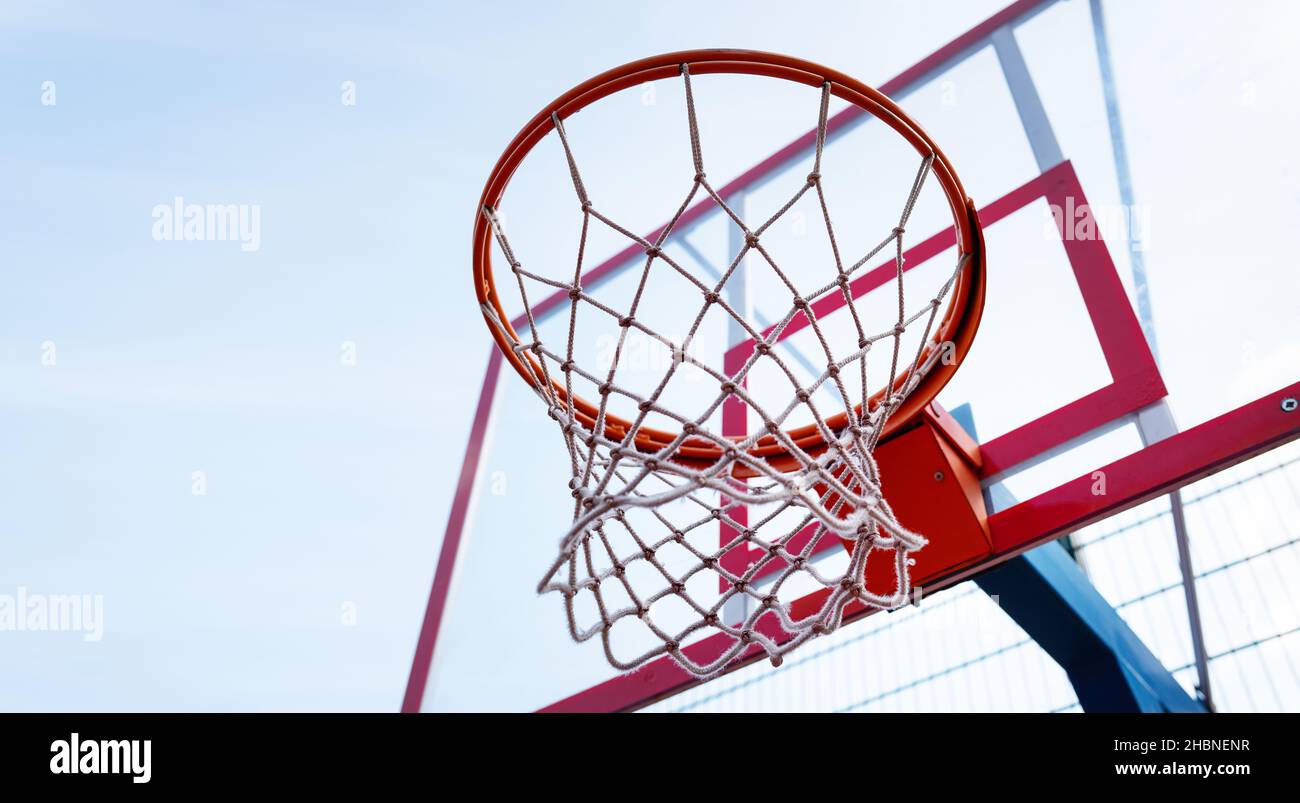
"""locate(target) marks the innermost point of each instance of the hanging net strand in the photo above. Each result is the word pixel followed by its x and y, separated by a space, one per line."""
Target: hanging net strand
pixel 634 504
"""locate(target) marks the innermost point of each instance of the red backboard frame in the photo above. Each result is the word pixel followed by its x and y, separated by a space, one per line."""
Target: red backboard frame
pixel 1135 377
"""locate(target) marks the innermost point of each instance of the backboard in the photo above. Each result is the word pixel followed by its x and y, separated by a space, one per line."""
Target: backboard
pixel 1081 367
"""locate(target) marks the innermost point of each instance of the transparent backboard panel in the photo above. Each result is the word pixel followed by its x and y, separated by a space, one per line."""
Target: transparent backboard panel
pixel 1212 225
pixel 1244 552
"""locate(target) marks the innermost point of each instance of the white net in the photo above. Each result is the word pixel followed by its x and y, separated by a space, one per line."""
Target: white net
pixel 703 534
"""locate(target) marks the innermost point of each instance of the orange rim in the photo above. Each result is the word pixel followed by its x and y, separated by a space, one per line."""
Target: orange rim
pixel 960 320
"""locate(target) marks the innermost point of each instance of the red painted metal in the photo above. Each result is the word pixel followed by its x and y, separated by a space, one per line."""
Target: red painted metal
pixel 963 45
pixel 456 519
pixel 908 455
pixel 957 437
pixel 1135 377
pixel 1190 455
pixel 933 489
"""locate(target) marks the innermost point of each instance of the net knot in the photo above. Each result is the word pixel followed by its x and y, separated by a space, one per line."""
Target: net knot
pixel 814 177
pixel 898 231
pixel 653 251
pixel 699 177
pixel 751 239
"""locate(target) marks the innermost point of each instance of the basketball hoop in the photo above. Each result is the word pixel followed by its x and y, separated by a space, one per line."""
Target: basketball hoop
pixel 641 491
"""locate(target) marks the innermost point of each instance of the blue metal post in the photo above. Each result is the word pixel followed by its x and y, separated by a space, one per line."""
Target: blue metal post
pixel 1052 600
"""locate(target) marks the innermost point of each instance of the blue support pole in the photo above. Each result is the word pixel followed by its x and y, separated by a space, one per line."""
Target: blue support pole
pixel 1049 596
pixel 1052 600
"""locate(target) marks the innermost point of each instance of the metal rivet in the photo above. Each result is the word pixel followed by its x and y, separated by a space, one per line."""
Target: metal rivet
pixel 1289 404
pixel 938 476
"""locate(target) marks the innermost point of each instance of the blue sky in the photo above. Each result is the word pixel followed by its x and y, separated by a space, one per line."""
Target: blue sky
pixel 174 357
